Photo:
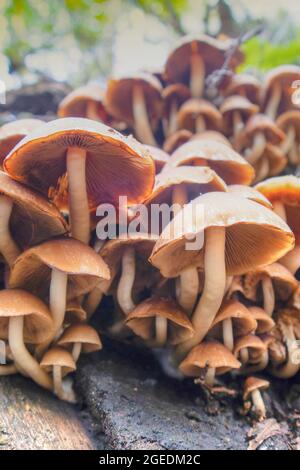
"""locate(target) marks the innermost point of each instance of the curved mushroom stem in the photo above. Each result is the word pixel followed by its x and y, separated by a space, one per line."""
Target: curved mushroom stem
pixel 273 103
pixel 124 289
pixel 258 147
pixel 244 355
pixel 200 124
pixel 92 110
pixel 228 334
pixel 58 298
pixel 263 169
pixel 213 291
pixel 292 366
pixel 258 404
pixel 142 125
pixel 173 122
pixel 161 331
pixel 8 247
pixel 187 284
pixel 58 386
pixel 279 208
pixel 76 351
pixel 294 154
pixel 8 369
pixel 78 200
pixel 210 376
pixel 289 140
pixel 22 356
pixel 94 298
pixel 237 123
pixel 197 75
pixel 261 365
pixel 268 294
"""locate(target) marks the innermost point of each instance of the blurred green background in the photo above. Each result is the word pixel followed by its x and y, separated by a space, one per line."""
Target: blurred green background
pixel 80 40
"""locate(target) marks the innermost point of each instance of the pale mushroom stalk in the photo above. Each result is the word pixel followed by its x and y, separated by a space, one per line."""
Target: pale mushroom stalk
pixel 237 123
pixel 244 355
pixel 213 291
pixel 292 365
pixel 210 376
pixel 92 110
pixel 187 284
pixel 258 403
pixel 161 331
pixel 78 200
pixel 141 119
pixel 76 351
pixel 262 171
pixel 173 122
pixel 289 140
pixel 8 247
pixel 257 149
pixel 274 101
pixel 279 208
pixel 197 75
pixel 268 295
pixel 124 289
pixel 8 369
pixel 21 355
pixel 228 334
pixel 200 124
pixel 94 298
pixel 57 298
pixel 294 154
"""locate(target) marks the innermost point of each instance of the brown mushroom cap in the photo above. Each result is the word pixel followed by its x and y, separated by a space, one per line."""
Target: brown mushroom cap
pixel 285 189
pixel 12 132
pixel 159 156
pixel 284 76
pixel 118 98
pixel 260 123
pixel 276 159
pixel 177 139
pixel 196 181
pixel 208 354
pixel 290 118
pixel 38 324
pixel 74 311
pixel 193 108
pixel 253 343
pixel 57 356
pixel 243 322
pixel 254 383
pixel 81 333
pixel 75 103
pixel 236 103
pixel 176 92
pixel 140 320
pixel 212 51
pixel 227 163
pixel 32 269
pixel 264 322
pixel 249 192
pixel 244 85
pixel 33 218
pixel 115 165
pixel 254 235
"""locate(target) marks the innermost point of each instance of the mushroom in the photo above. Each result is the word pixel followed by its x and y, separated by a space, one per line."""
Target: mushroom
pixel 177 139
pixel 99 162
pixel 58 270
pixel 173 96
pixel 197 56
pixel 232 320
pixel 12 132
pixel 211 135
pixel 82 338
pixel 26 218
pixel 248 192
pixel 227 163
pixel 289 122
pixel 253 387
pixel 264 323
pixel 244 85
pixel 176 188
pixel 236 110
pixel 25 319
pixel 275 282
pixel 247 349
pixel 210 358
pixel 136 100
pixel 277 89
pixel 60 362
pixel 160 321
pixel 198 116
pixel 259 358
pixel 159 156
pixel 243 224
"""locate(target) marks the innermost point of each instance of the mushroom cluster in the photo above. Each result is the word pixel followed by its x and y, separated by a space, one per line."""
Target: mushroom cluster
pixel 229 304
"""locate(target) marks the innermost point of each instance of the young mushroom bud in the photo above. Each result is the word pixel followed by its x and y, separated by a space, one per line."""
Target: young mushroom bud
pixel 59 362
pixel 253 386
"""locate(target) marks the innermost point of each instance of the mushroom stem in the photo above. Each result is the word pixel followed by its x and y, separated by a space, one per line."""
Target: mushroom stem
pixel 8 369
pixel 289 140
pixel 76 351
pixel 210 376
pixel 268 295
pixel 92 110
pixel 8 247
pixel 124 289
pixel 294 154
pixel 258 404
pixel 173 122
pixel 213 291
pixel 78 200
pixel 274 101
pixel 258 147
pixel 22 356
pixel 244 355
pixel 94 298
pixel 142 125
pixel 197 75
pixel 200 124
pixel 228 334
pixel 279 208
pixel 161 331
pixel 57 298
pixel 237 123
pixel 57 382
pixel 263 170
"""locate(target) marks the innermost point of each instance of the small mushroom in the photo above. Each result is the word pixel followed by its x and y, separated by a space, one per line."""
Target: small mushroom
pixel 247 349
pixel 227 163
pixel 173 96
pixel 160 321
pixel 289 122
pixel 60 362
pixel 177 139
pixel 236 111
pixel 59 270
pixel 277 89
pixel 260 358
pixel 99 162
pixel 12 132
pixel 243 224
pixel 25 319
pixel 26 218
pixel 244 85
pixel 136 100
pixel 232 320
pixel 198 116
pixel 82 338
pixel 253 387
pixel 210 358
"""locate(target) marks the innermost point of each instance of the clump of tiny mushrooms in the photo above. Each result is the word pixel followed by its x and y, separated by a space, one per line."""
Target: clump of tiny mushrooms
pixel 228 305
